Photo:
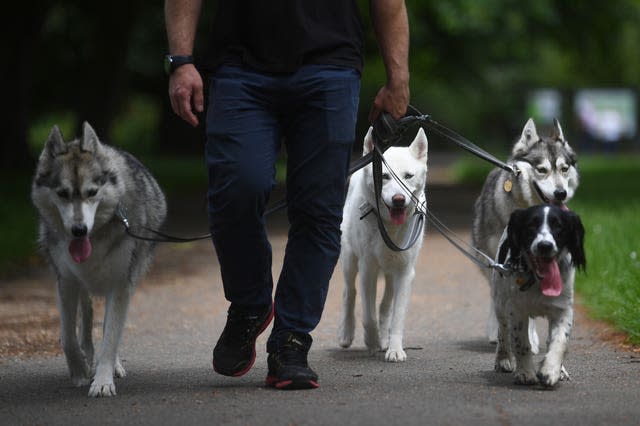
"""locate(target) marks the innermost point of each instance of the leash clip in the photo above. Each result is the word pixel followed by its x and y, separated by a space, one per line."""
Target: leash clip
pixel 121 213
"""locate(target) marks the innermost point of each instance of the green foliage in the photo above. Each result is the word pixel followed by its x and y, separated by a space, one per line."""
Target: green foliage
pixel 177 174
pixel 66 121
pixel 18 219
pixel 136 127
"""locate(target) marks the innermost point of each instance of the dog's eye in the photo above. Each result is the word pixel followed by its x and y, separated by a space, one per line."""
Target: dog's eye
pixel 91 192
pixel 64 194
pixel 386 176
pixel 564 169
pixel 408 175
pixel 554 222
pixel 542 170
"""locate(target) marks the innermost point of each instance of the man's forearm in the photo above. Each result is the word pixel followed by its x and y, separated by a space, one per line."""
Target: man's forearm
pixel 181 20
pixel 391 26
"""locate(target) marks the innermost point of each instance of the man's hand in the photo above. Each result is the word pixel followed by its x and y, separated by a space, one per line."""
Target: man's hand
pixel 186 93
pixel 392 98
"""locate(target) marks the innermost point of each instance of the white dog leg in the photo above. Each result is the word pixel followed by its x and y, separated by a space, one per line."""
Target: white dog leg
pixel 505 361
pixel 533 336
pixel 551 369
pixel 86 327
pixel 118 369
pixel 346 329
pixel 401 296
pixel 68 300
pixel 117 302
pixel 368 288
pixel 525 373
pixel 492 323
pixel 384 321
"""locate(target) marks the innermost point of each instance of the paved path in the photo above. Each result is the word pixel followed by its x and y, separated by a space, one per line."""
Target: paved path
pixel 179 310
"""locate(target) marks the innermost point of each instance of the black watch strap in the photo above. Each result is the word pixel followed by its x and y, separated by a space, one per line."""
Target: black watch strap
pixel 171 62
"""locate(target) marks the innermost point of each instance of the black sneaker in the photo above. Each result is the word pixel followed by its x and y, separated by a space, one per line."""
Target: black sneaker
pixel 288 367
pixel 235 351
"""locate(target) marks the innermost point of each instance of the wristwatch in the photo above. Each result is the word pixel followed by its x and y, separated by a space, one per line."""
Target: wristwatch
pixel 171 62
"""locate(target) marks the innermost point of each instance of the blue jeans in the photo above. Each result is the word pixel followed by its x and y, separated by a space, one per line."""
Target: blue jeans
pixel 313 111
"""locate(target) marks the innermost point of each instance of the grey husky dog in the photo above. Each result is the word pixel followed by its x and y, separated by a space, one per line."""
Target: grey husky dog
pixel 548 175
pixel 77 188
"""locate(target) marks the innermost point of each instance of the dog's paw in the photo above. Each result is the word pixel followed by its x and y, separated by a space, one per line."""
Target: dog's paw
pixel 119 370
pixel 100 388
pixel 549 375
pixel 525 377
pixel 384 340
pixel 80 373
pixel 564 374
pixel 372 341
pixel 81 380
pixel 395 355
pixel 345 336
pixel 505 365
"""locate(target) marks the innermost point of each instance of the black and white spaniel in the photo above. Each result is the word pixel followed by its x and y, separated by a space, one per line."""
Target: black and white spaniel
pixel 542 246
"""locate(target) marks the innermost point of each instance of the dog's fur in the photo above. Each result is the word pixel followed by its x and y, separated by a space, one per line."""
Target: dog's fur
pixel 76 189
pixel 547 243
pixel 548 174
pixel 364 251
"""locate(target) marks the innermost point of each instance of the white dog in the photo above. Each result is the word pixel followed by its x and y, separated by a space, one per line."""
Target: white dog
pixel 364 251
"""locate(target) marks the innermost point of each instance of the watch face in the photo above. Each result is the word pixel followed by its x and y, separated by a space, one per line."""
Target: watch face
pixel 167 64
pixel 171 62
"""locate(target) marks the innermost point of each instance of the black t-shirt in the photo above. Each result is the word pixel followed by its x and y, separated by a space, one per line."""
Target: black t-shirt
pixel 282 35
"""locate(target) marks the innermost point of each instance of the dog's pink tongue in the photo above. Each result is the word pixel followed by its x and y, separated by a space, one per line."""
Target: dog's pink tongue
pixel 80 249
pixel 552 282
pixel 398 216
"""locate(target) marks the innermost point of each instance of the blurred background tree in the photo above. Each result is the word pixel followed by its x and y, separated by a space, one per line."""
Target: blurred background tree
pixel 473 62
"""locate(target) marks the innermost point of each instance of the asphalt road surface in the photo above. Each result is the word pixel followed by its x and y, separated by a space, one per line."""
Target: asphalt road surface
pixel 179 310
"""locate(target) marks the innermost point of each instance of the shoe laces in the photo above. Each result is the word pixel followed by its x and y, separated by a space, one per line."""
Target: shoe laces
pixel 293 352
pixel 239 325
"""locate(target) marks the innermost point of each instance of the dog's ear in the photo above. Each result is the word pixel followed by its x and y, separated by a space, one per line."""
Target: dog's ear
pixel 576 240
pixel 419 148
pixel 89 141
pixel 514 228
pixel 556 133
pixel 367 145
pixel 529 137
pixel 54 145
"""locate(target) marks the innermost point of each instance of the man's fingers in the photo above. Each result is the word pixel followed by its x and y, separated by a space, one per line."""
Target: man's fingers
pixel 186 93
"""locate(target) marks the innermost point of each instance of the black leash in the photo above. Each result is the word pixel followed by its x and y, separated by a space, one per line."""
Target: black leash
pixel 121 213
pixel 402 132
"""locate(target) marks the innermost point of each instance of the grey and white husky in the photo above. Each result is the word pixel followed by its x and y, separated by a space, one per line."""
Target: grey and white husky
pixel 548 174
pixel 76 189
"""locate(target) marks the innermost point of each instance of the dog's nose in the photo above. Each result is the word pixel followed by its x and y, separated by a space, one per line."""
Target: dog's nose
pixel 398 200
pixel 79 230
pixel 560 194
pixel 544 248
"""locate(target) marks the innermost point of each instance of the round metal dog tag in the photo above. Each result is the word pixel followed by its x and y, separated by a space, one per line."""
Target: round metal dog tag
pixel 507 185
